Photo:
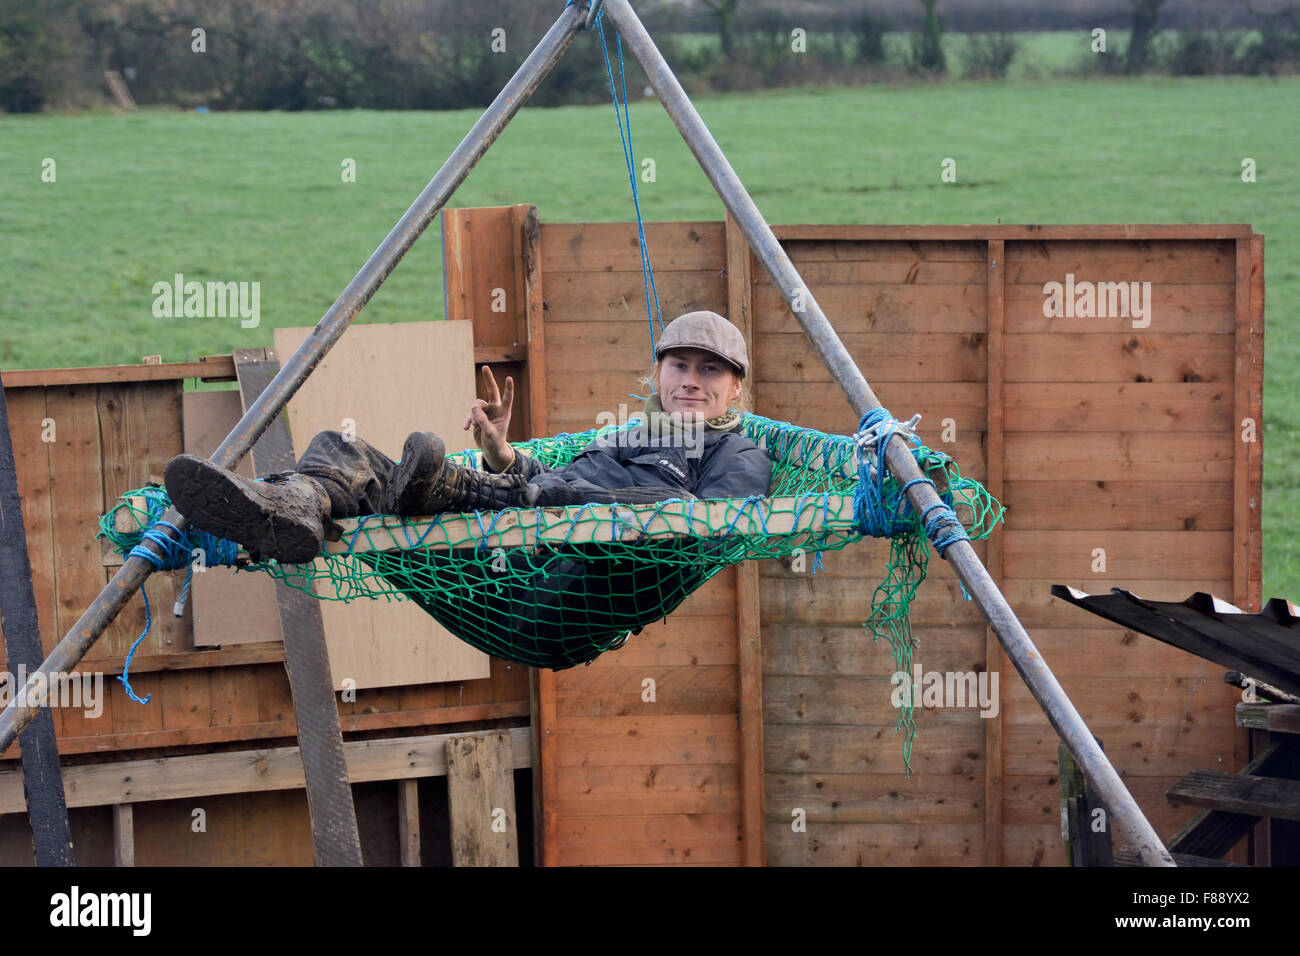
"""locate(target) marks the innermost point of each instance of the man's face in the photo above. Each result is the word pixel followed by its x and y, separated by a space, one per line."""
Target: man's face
pixel 697 384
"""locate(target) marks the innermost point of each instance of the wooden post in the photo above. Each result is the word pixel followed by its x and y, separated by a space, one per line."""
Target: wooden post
pixel 123 834
pixel 408 821
pixel 994 659
pixel 740 286
pixel 481 800
pixel 335 837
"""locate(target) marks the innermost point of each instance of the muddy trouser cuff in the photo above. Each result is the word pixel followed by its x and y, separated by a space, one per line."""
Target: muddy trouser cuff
pixel 354 474
pixel 556 494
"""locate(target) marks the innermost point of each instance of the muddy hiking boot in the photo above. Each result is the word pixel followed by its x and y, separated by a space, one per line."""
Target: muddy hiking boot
pixel 285 517
pixel 425 483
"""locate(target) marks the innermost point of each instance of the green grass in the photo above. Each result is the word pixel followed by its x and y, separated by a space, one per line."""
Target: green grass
pixel 259 197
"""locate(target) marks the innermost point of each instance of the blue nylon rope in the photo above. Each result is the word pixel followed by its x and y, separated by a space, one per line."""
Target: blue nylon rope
pixel 177 554
pixel 882 515
pixel 624 119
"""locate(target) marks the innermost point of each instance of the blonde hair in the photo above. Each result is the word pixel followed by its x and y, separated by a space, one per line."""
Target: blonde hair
pixel 744 401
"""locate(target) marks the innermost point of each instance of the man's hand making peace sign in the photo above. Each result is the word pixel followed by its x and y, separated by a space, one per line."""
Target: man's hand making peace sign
pixel 490 420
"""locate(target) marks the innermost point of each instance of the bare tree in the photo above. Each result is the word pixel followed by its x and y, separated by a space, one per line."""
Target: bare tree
pixel 1144 21
pixel 725 11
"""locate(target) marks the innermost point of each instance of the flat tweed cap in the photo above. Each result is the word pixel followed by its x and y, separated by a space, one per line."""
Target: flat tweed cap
pixel 708 331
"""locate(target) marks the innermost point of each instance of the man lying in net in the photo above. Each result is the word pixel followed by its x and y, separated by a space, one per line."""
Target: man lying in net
pixel 701 361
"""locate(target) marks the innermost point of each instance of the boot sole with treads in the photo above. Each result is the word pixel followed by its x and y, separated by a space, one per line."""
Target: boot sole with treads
pixel 282 519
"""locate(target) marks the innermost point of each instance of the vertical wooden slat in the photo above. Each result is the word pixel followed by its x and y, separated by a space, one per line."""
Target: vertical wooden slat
pixel 408 821
pixel 1256 448
pixel 123 834
pixel 994 658
pixel 1242 522
pixel 77 501
pixel 740 286
pixel 481 800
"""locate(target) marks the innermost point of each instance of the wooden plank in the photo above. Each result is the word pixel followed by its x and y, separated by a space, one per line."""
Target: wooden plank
pixel 620 691
pixel 698 517
pixel 995 457
pixel 1255 449
pixel 336 840
pixel 1213 833
pixel 139 427
pixel 1239 793
pixel 638 839
pixel 906 268
pixel 843 249
pixel 213 368
pixel 123 835
pixel 1127 856
pixel 481 800
pixel 77 498
pixel 229 609
pixel 749 632
pixel 1135 356
pixel 864 844
pixel 246 771
pixel 1107 456
pixel 877 233
pixel 284 728
pixel 863 701
pixel 632 741
pixel 408 821
pixel 1036 800
pixel 1131 407
pixel 881 356
pixel 615 246
pixel 1187 308
pixel 648 789
pixel 1277 718
pixel 1152 554
pixel 846 650
pixel 1118 505
pixel 31 461
pixel 383 644
pixel 883 307
pixel 616 300
pixel 1242 519
pixel 847 798
pixel 957 749
pixel 1095 260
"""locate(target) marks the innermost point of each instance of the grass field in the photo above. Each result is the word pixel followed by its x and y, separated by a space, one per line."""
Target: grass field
pixel 260 197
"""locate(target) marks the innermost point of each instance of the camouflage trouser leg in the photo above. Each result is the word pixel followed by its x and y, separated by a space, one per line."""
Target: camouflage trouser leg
pixel 353 472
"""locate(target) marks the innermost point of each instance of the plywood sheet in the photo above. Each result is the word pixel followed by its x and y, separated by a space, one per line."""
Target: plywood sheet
pixel 390 380
pixel 228 608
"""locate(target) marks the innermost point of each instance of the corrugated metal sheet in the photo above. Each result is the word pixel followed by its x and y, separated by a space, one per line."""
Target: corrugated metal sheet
pixel 1265 646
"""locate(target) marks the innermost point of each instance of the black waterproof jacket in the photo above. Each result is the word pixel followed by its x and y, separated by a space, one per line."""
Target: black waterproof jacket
pixel 712 464
pixel 566 604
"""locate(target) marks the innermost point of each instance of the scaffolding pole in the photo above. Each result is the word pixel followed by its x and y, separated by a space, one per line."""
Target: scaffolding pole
pixel 332 325
pixel 1125 813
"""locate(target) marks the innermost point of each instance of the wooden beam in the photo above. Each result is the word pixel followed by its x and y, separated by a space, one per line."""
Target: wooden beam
pixel 525 528
pixel 335 835
pixel 246 771
pixel 277 729
pixel 995 660
pixel 215 368
pixel 740 303
pixel 1005 232
pixel 481 800
pixel 408 821
pixel 1239 793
